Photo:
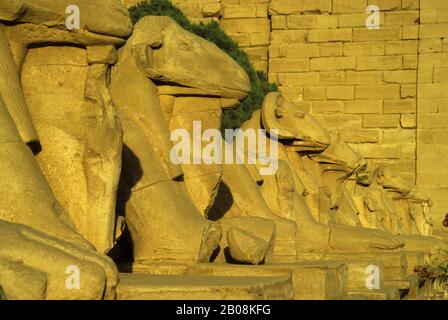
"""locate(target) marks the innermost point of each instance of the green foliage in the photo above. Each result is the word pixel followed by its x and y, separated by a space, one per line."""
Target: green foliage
pixel 212 32
pixel 436 275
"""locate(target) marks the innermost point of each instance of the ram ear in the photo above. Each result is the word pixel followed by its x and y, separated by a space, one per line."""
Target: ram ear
pixel 271 113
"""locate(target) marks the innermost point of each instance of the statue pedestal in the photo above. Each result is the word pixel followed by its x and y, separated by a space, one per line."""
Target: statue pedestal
pixel 203 287
pixel 310 280
pixel 327 276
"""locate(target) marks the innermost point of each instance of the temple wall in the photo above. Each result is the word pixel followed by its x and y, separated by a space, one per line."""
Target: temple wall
pixel 432 107
pixel 386 90
pixel 360 81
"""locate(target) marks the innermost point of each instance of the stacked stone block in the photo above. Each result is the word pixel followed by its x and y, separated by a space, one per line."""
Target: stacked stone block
pixel 432 116
pixel 200 10
pixel 247 22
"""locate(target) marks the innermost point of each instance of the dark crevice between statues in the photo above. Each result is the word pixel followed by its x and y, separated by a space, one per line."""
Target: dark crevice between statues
pixel 35 147
pixel 122 252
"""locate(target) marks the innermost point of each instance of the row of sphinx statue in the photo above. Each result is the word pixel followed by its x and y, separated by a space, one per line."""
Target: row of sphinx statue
pixel 85 122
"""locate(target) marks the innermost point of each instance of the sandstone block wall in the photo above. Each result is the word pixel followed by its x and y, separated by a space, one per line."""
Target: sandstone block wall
pixel 386 90
pixel 246 21
pixel 432 104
